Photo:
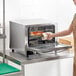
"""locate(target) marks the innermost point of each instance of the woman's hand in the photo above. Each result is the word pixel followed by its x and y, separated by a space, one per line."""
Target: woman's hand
pixel 47 36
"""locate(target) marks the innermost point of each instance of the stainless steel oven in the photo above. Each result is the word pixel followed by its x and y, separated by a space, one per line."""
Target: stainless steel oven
pixel 24 38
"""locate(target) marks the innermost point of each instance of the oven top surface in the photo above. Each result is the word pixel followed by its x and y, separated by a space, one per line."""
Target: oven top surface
pixel 32 21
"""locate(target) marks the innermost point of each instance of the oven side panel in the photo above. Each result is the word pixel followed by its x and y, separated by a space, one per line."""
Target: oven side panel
pixel 17 36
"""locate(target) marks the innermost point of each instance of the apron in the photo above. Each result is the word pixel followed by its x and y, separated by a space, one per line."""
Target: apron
pixel 74 35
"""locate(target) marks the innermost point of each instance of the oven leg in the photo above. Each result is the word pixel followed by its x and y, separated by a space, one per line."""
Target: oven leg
pixel 23 70
pixel 55 52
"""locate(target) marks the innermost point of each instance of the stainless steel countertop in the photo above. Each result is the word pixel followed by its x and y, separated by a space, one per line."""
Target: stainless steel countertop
pixel 21 59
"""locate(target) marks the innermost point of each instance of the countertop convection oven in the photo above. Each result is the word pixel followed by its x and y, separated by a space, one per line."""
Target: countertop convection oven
pixel 25 38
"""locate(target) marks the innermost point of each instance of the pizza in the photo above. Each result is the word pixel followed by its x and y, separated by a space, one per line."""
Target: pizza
pixel 36 33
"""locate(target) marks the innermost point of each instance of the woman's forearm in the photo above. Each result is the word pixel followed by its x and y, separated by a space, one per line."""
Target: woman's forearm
pixel 65 32
pixel 62 33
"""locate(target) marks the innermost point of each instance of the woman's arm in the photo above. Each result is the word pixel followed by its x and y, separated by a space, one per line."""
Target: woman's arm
pixel 62 33
pixel 65 32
